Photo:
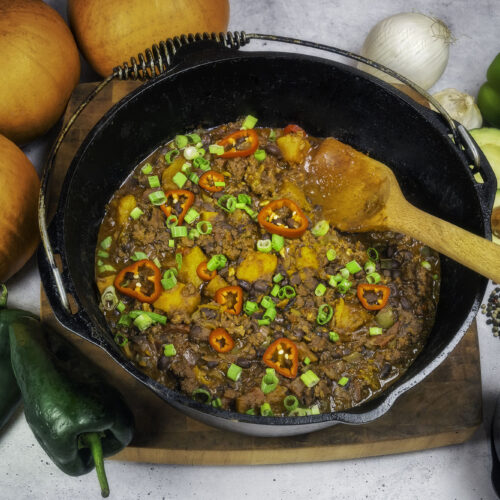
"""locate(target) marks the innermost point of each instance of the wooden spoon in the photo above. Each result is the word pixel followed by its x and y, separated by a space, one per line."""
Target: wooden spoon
pixel 360 194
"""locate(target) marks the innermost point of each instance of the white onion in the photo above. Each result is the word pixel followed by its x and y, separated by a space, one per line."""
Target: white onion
pixel 412 44
pixel 460 107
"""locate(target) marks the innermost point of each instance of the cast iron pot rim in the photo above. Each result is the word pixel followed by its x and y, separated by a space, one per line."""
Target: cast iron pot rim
pixel 353 416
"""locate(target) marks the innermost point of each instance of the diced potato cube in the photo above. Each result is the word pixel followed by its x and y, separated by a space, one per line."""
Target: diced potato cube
pixel 293 147
pixel 306 258
pixel 350 316
pixel 104 282
pixel 126 204
pixel 208 216
pixel 293 192
pixel 174 301
pixel 190 262
pixel 214 285
pixel 257 265
pixel 168 174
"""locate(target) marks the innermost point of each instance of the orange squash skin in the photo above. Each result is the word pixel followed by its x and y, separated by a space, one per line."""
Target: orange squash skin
pixel 110 32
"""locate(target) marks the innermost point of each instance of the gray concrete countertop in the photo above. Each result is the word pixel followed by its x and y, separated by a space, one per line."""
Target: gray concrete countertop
pixel 461 472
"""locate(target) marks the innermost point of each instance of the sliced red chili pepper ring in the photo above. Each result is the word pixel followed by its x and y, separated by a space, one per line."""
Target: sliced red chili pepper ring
pixel 203 272
pixel 231 298
pixel 293 129
pixel 238 138
pixel 211 181
pixel 178 203
pixel 141 280
pixel 373 297
pixel 283 217
pixel 283 356
pixel 220 340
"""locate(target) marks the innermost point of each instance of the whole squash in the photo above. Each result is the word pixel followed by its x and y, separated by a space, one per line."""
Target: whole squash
pixel 19 234
pixel 109 32
pixel 40 68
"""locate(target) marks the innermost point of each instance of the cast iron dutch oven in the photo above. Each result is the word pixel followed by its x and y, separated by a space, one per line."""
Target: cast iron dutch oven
pixel 326 98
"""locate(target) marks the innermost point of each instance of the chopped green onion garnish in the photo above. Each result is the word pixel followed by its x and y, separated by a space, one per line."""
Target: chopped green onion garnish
pixel 307 361
pixel 314 410
pixel 171 243
pixel 171 155
pixel 272 135
pixel 264 246
pixel 277 242
pixel 154 182
pixel 156 318
pixel 270 314
pixel 251 212
pixel 100 262
pixel 334 280
pixel 331 254
pixel 217 403
pixel 343 381
pixel 344 286
pixel 269 381
pixel 121 339
pixel 169 280
pixel 298 412
pixel 169 350
pixel 249 122
pixel 325 314
pixel 321 228
pixel 120 307
pixel 334 336
pixel 426 265
pixel 435 277
pixel 179 231
pixel 181 141
pixel 234 372
pixel 107 268
pixel 267 302
pixel 277 278
pixel 190 153
pixel 103 254
pixel 139 256
pixel 251 411
pixel 265 410
pixel 320 290
pixel 219 184
pixel 375 330
pixel 353 267
pixel 373 278
pixel 191 216
pixel 171 221
pixel 217 262
pixel 125 320
pixel 372 253
pixel 194 178
pixel 186 168
pixel 344 272
pixel 260 155
pixel 204 227
pixel 136 213
pixel 147 169
pixel 370 267
pixel 157 197
pixel 179 179
pixel 227 202
pixel 106 242
pixel 250 307
pixel 290 402
pixel 287 292
pixel 244 198
pixel 201 395
pixel 178 260
pixel 109 300
pixel 263 322
pixel 309 378
pixel 193 233
pixel 201 163
pixel 193 138
pixel 215 149
pixel 143 321
pixel 157 262
pixel 275 290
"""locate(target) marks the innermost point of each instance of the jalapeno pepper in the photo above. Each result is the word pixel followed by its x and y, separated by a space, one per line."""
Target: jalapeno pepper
pixel 293 129
pixel 220 340
pixel 373 297
pixel 203 273
pixel 231 140
pixel 141 280
pixel 231 298
pixel 178 200
pixel 292 225
pixel 209 179
pixel 283 356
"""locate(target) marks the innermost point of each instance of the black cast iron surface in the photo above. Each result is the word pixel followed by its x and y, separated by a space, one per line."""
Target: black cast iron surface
pixel 327 99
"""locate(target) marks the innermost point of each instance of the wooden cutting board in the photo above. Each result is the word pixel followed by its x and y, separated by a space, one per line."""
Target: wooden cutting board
pixel 444 409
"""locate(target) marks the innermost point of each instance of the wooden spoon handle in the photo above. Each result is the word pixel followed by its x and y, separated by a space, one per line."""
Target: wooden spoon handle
pixel 472 251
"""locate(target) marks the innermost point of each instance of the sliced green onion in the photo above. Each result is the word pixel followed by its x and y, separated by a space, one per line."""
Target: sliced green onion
pixel 251 411
pixel 171 221
pixel 275 290
pixel 143 321
pixel 250 307
pixel 227 202
pixel 277 242
pixel 325 314
pixel 171 243
pixel 217 262
pixel 194 178
pixel 435 277
pixel 265 410
pixel 353 267
pixel 100 262
pixel 287 292
pixel 370 267
pixel 372 253
pixel 331 254
pixel 264 246
pixel 139 256
pixel 169 350
pixel 169 279
pixel 217 403
pixel 290 402
pixel 193 138
pixel 181 141
pixel 267 302
pixel 190 153
pixel 157 197
pixel 249 122
pixel 344 272
pixel 321 228
pixel 120 307
pixel 270 314
pixel 269 381
pixel 147 169
pixel 277 278
pixel 263 322
pixel 260 155
pixel 375 330
pixel 334 336
pixel 216 149
pixel 298 412
pixel 373 278
pixel 191 216
pixel 272 135
pixel 244 198
pixel 154 182
pixel 157 262
pixel 136 213
pixel 193 233
pixel 171 155
pixel 109 300
pixel 107 268
pixel 251 213
pixel 309 378
pixel 334 280
pixel 156 318
pixel 125 320
pixel 179 179
pixel 320 290
pixel 343 381
pixel 201 395
pixel 234 372
pixel 178 260
pixel 343 286
pixel 179 231
pixel 106 242
pixel 314 410
pixel 201 163
pixel 204 227
pixel 220 184
pixel 103 254
pixel 186 168
pixel 121 339
pixel 307 361
pixel 426 265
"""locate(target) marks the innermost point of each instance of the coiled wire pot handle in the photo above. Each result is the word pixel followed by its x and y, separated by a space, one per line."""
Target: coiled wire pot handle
pixel 160 57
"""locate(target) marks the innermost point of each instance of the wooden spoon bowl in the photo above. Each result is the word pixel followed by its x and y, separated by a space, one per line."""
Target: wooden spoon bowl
pixel 359 194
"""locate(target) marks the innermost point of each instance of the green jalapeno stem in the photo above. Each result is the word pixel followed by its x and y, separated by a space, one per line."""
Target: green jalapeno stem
pixel 93 441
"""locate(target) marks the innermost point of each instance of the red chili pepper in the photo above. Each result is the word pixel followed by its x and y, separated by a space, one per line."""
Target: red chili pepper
pixel 208 179
pixel 231 298
pixel 268 215
pixel 282 355
pixel 230 140
pixel 293 129
pixel 373 297
pixel 136 279
pixel 220 340
pixel 179 197
pixel 203 273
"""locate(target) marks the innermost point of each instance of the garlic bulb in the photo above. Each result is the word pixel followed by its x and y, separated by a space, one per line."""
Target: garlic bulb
pixel 412 44
pixel 461 107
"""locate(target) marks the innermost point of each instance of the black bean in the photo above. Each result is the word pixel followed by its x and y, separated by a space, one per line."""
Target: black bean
pixel 243 362
pixel 209 313
pixel 396 273
pixel 386 369
pixel 390 251
pixel 245 285
pixel 212 363
pixel 164 362
pixel 261 286
pixel 273 149
pixel 359 275
pixel 386 272
pixel 405 304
